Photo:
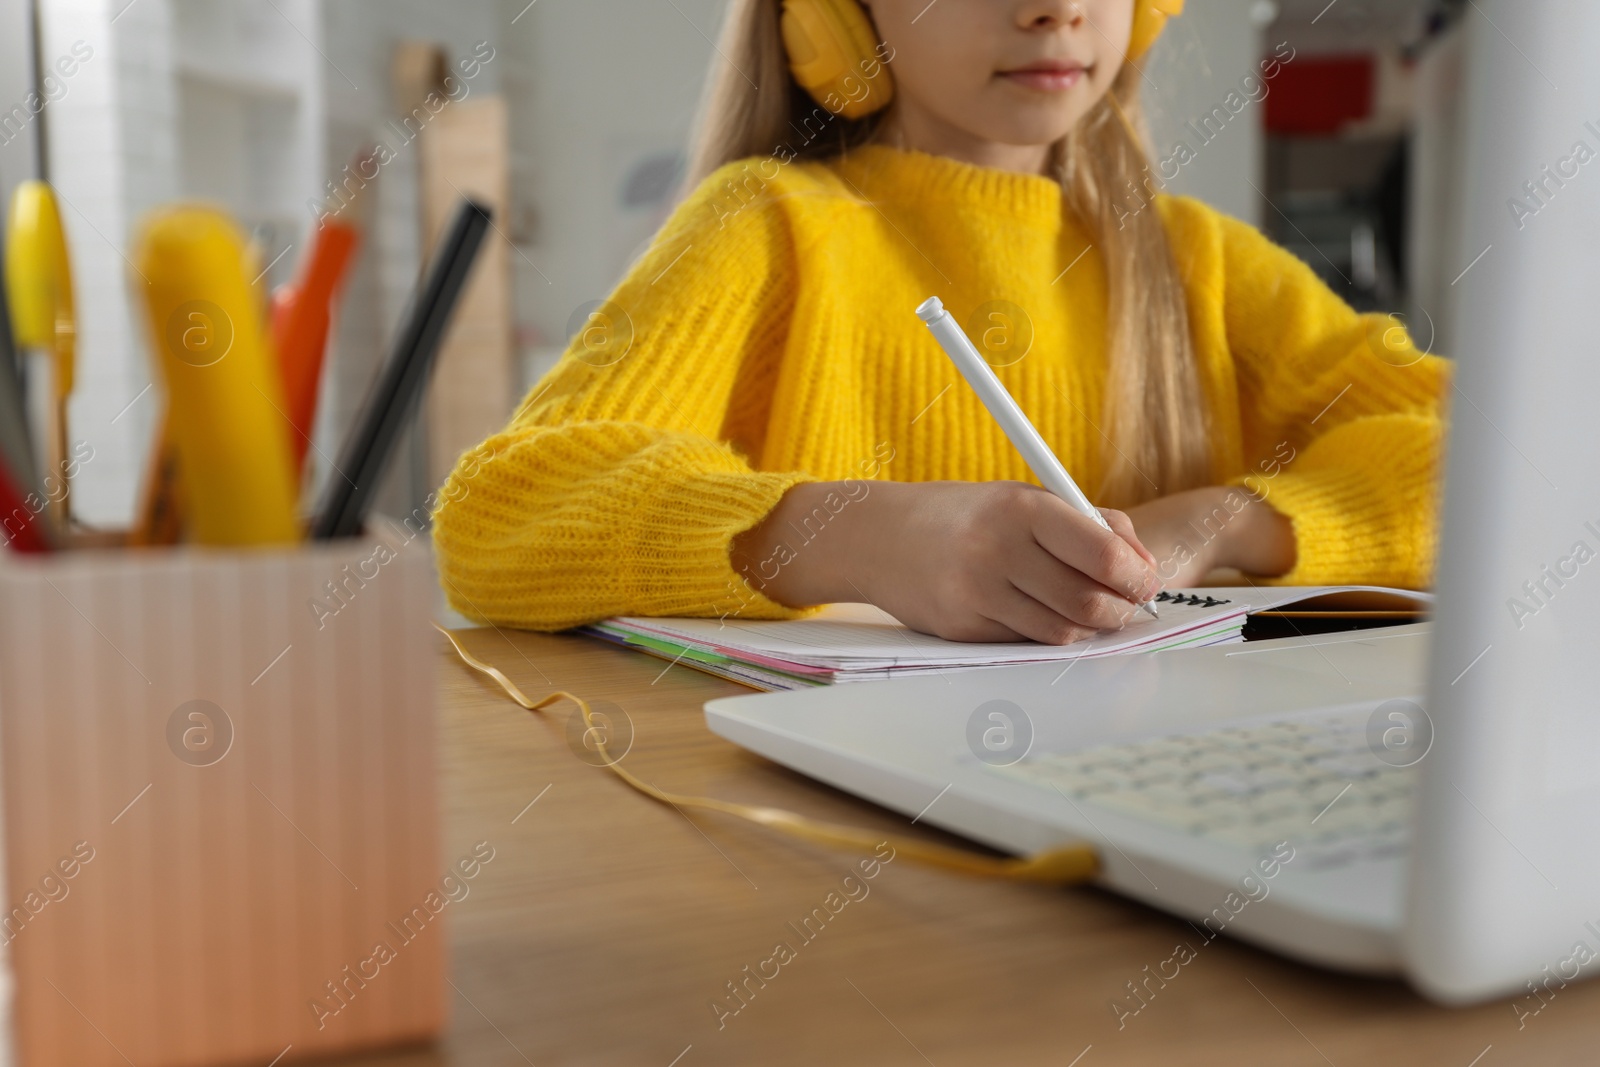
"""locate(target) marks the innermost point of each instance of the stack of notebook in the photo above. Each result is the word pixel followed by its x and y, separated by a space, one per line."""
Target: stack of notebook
pixel 858 642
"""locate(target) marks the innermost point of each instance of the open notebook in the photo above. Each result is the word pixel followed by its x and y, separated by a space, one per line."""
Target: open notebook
pixel 858 642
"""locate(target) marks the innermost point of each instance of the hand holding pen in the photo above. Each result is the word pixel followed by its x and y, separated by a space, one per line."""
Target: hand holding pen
pixel 1022 434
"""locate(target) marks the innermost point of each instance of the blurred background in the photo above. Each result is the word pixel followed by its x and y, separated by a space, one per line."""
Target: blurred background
pixel 571 118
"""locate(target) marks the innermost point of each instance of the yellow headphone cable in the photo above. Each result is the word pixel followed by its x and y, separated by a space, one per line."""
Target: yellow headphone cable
pixel 1067 865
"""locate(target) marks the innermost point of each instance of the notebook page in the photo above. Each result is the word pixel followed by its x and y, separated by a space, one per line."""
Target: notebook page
pixel 863 637
pixel 857 637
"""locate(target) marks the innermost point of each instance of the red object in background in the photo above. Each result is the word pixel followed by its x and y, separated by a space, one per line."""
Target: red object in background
pixel 1319 95
pixel 301 312
pixel 29 535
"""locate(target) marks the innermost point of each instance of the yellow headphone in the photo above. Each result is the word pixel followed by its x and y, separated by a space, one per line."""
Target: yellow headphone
pixel 831 44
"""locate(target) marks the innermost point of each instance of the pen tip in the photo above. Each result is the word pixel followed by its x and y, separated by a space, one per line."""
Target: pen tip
pixel 1150 608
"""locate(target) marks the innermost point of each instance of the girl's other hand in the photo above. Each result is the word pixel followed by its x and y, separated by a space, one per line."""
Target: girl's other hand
pixel 1194 533
pixel 966 561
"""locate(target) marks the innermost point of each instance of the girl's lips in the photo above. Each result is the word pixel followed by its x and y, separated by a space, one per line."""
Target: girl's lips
pixel 1046 80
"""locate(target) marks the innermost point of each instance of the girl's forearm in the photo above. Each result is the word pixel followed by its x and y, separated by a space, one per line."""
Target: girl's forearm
pixel 801 553
pixel 1261 540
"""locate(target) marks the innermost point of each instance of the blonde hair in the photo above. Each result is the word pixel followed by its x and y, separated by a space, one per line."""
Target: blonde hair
pixel 1156 422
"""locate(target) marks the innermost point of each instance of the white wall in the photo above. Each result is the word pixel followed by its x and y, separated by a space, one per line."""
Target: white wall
pixel 1202 58
pixel 1434 241
pixel 17 144
pixel 1347 27
pixel 360 36
pixel 112 157
pixel 596 89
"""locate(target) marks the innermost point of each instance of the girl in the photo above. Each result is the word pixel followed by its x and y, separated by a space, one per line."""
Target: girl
pixel 756 422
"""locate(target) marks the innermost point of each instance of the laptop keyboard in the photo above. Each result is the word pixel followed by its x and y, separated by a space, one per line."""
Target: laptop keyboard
pixel 1311 781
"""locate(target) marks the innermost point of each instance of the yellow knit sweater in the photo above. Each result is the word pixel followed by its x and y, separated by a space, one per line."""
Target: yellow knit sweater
pixel 768 338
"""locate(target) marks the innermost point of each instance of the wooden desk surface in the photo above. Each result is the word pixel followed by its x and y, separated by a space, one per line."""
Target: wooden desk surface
pixel 607 924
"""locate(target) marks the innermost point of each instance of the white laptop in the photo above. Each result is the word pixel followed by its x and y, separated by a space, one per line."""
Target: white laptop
pixel 1419 800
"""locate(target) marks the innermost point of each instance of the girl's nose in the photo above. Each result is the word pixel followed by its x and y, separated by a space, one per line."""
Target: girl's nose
pixel 1047 14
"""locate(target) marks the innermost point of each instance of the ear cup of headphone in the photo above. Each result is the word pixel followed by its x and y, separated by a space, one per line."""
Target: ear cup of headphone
pixel 1149 19
pixel 827 42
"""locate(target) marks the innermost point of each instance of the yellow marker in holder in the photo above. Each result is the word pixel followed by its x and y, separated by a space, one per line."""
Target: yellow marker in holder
pixel 39 288
pixel 224 410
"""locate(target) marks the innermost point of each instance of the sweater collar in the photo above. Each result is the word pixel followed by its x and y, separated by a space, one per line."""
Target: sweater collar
pixel 881 171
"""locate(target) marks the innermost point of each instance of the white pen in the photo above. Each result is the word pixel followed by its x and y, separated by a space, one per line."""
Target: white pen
pixel 1043 462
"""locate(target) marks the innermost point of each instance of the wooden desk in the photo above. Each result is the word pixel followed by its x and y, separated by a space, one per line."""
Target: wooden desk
pixel 607 924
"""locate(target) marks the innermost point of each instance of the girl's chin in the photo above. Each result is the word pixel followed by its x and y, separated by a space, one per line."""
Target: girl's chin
pixel 1047 116
pixel 1023 129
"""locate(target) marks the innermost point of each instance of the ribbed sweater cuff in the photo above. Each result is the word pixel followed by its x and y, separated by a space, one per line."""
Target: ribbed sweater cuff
pixel 678 542
pixel 1345 528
